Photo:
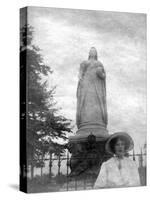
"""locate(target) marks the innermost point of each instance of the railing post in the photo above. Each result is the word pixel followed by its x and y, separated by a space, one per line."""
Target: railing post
pixel 50 165
pixel 85 183
pixel 75 183
pixel 32 170
pixel 41 171
pixel 133 155
pixel 141 159
pixel 42 160
pixel 67 168
pixel 59 164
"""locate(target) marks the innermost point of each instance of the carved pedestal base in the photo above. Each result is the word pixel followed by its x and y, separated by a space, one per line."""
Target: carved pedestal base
pixel 87 157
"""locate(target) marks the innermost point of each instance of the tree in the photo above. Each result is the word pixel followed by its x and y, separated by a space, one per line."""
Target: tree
pixel 43 120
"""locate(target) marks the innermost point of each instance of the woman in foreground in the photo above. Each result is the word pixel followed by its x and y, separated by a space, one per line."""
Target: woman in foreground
pixel 118 171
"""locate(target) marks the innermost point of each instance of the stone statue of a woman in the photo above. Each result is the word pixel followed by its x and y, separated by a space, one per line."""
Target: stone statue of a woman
pixel 87 146
pixel 91 93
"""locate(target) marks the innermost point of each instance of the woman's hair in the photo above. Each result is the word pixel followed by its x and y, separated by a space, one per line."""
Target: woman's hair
pixel 90 56
pixel 115 140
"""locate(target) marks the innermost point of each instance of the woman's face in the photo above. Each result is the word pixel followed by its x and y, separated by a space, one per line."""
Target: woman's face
pixel 119 148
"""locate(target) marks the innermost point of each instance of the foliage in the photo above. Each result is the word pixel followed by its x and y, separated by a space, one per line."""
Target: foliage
pixel 44 124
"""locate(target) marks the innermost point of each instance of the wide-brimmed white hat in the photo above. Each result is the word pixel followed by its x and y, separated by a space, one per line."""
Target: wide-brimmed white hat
pixel 123 135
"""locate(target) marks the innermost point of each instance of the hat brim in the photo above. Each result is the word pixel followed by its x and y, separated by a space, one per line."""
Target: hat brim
pixel 123 135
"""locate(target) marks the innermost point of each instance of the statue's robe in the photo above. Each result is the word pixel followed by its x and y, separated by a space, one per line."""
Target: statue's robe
pixel 91 94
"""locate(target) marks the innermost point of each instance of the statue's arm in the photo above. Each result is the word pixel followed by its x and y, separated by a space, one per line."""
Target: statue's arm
pixel 101 72
pixel 80 78
pixel 81 71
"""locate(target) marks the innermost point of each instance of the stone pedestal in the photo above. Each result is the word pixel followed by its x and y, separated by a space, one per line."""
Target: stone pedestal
pixel 88 151
pixel 100 132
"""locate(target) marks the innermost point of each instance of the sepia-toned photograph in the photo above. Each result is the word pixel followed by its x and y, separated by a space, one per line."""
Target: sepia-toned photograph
pixel 83 90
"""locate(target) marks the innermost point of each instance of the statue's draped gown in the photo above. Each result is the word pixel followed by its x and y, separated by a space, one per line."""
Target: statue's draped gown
pixel 91 94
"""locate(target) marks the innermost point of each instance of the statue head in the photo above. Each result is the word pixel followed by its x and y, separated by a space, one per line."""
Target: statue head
pixel 93 53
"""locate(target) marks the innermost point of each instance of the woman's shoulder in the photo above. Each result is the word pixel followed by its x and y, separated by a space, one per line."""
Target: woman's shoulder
pixel 130 161
pixel 109 161
pixel 109 164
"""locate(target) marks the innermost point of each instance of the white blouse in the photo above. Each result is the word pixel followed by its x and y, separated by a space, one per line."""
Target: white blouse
pixel 111 175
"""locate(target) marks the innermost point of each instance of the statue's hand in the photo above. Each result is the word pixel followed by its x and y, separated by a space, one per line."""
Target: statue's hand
pixel 80 79
pixel 100 72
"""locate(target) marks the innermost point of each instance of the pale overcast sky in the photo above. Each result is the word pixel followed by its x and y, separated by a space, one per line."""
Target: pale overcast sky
pixel 65 37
